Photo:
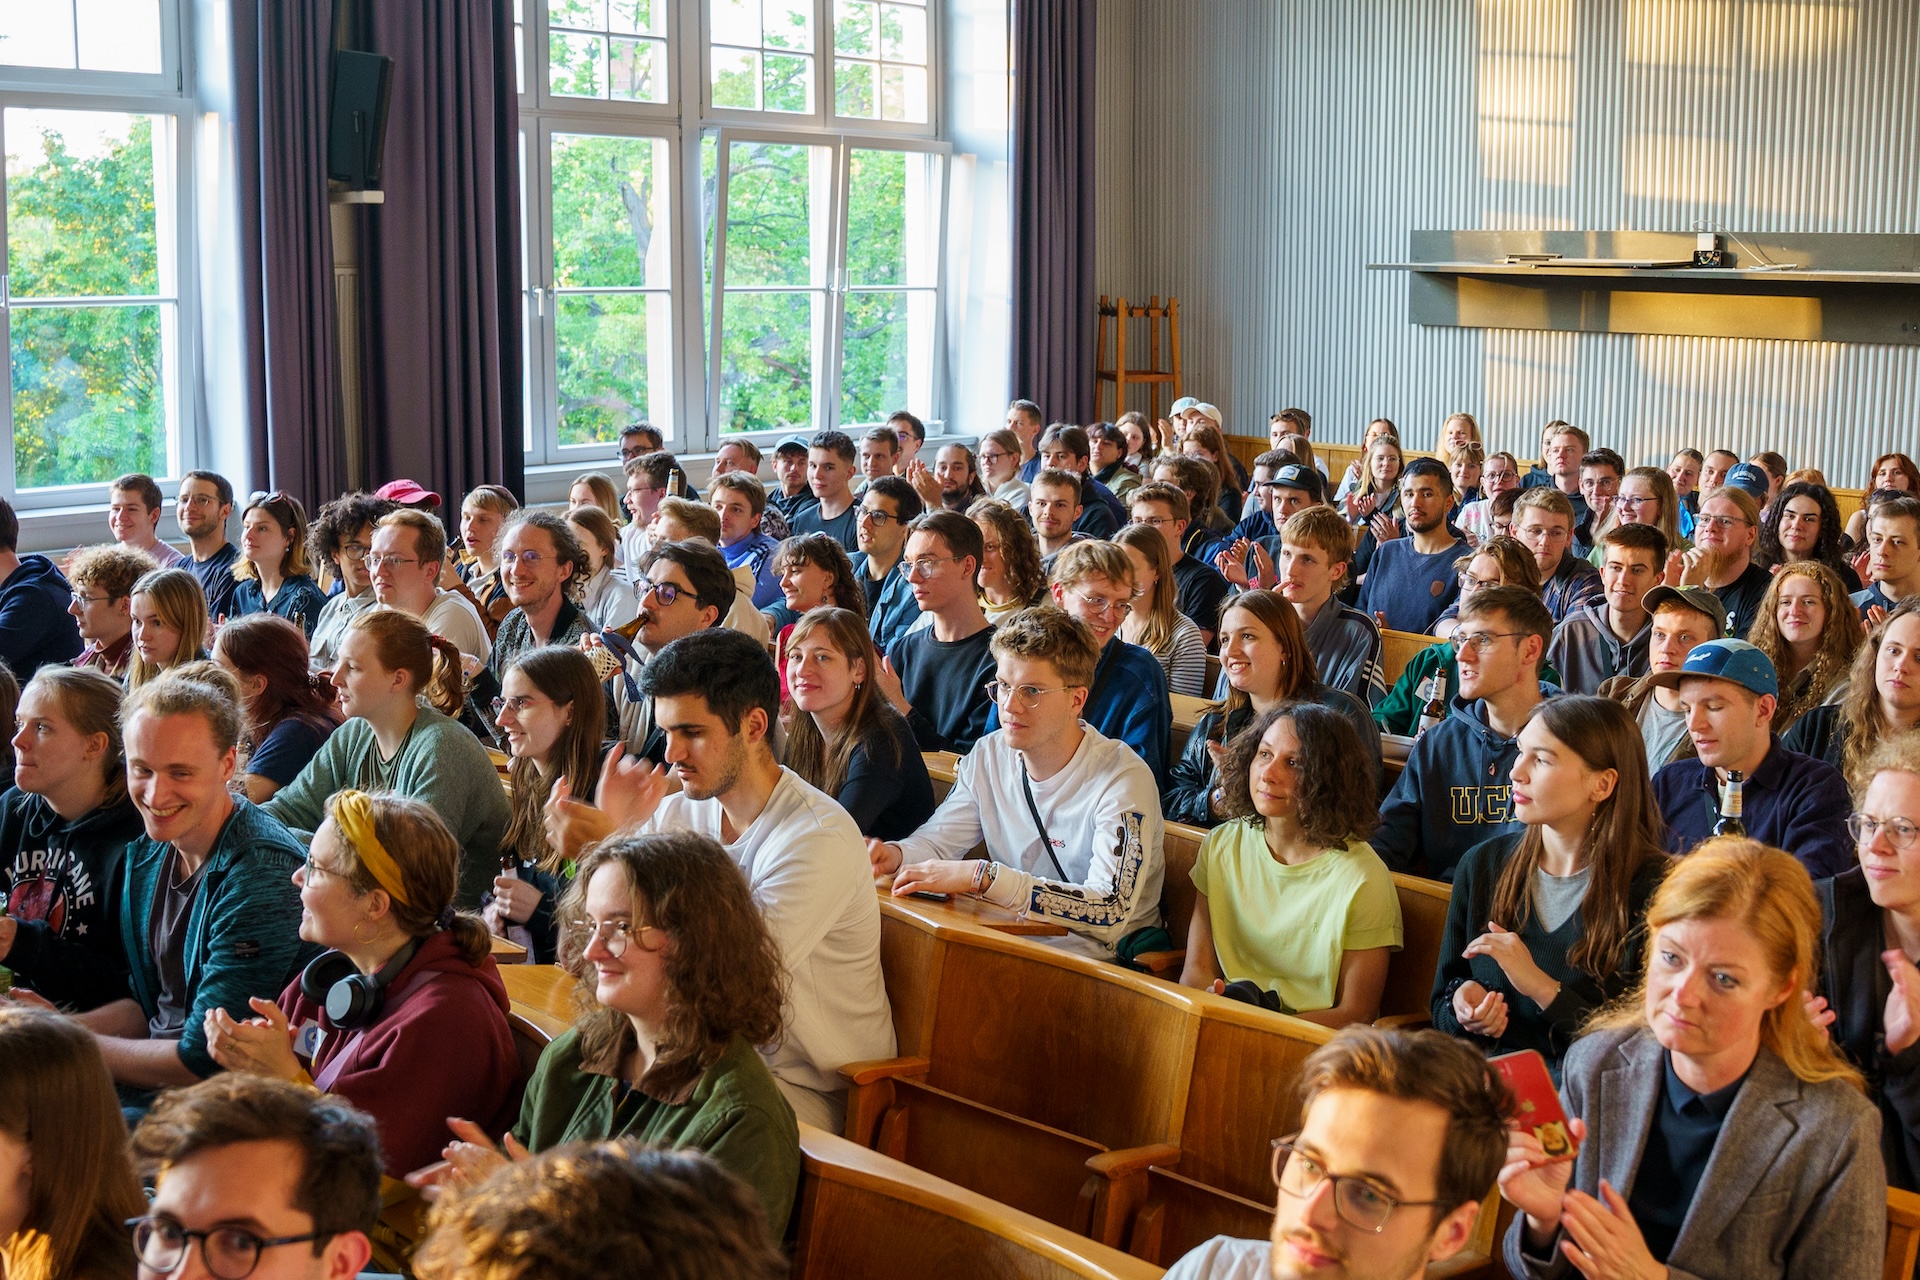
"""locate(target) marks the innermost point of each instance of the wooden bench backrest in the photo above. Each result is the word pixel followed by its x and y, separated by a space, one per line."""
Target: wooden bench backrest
pixel 865 1217
pixel 1903 1234
pixel 1398 648
pixel 910 963
pixel 1849 501
pixel 1182 847
pixel 1246 1063
pixel 1060 1039
pixel 1423 921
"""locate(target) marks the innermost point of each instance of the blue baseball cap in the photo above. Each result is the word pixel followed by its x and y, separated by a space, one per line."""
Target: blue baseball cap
pixel 1733 660
pixel 1752 477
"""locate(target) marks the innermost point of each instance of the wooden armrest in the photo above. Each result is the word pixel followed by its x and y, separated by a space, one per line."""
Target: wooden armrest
pixel 1402 1021
pixel 1114 1165
pixel 859 1073
pixel 1162 961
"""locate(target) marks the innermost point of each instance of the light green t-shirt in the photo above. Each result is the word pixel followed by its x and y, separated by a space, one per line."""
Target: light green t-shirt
pixel 1286 928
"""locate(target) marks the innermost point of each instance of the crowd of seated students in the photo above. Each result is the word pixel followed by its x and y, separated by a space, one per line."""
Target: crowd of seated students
pixel 712 706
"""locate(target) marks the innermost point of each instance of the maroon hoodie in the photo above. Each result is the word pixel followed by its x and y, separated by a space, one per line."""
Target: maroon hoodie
pixel 441 1047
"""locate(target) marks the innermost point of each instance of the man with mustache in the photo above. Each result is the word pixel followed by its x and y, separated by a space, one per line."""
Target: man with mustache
pixel 1401 1136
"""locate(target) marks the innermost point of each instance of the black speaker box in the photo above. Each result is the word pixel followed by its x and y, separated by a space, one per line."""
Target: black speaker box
pixel 357 132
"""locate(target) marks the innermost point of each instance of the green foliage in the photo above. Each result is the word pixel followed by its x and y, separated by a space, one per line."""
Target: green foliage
pixel 88 401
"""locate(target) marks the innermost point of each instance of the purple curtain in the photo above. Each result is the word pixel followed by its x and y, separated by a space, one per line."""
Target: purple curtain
pixel 282 71
pixel 1054 326
pixel 441 258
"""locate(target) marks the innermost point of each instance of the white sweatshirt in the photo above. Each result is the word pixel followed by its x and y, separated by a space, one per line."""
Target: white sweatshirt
pixel 808 869
pixel 1102 814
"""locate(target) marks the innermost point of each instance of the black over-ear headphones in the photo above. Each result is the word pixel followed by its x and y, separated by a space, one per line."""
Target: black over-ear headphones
pixel 352 998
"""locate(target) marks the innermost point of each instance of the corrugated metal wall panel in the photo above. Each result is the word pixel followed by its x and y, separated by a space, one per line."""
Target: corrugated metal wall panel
pixel 1255 155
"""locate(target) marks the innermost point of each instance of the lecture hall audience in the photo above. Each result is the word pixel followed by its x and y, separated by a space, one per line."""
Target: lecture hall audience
pixel 683 819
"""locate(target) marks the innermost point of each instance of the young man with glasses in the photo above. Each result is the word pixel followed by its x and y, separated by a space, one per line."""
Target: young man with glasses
pixel 409 552
pixel 716 698
pixel 1610 637
pixel 830 462
pixel 103 579
pixel 637 438
pixel 1724 535
pixel 1128 699
pixel 256 1179
pixel 1070 817
pixel 133 514
pixel 887 507
pixel 1454 791
pixel 1727 691
pixel 1200 587
pixel 542 569
pixel 1543 521
pixel 203 508
pixel 933 675
pixel 342 536
pixel 1401 1136
pixel 649 479
pixel 683 587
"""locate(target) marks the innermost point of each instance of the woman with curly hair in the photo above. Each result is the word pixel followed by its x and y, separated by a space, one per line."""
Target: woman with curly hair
pixel 813 570
pixel 1804 524
pixel 1010 577
pixel 1292 908
pixel 1810 630
pixel 678 981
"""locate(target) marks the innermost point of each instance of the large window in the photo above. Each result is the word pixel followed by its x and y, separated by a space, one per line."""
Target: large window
pixel 92 306
pixel 734 215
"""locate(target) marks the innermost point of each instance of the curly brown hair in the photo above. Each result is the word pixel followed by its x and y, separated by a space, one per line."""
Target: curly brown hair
pixel 1018 550
pixel 821 550
pixel 725 976
pixel 584 1211
pixel 1335 804
pixel 1840 639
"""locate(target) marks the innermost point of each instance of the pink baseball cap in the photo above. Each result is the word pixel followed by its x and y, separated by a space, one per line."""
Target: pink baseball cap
pixel 407 493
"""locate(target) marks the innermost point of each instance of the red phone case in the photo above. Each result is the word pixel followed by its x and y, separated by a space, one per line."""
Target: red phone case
pixel 1537 1102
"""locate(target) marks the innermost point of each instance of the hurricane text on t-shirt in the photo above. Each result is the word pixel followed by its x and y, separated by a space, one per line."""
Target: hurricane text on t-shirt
pixel 48 886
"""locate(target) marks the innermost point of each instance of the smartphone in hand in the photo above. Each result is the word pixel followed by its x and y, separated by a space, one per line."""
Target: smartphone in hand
pixel 1537 1102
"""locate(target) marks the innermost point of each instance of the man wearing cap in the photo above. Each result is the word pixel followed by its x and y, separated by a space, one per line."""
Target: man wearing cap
pixel 1727 692
pixel 1682 618
pixel 792 495
pixel 1721 560
pixel 406 493
pixel 1281 489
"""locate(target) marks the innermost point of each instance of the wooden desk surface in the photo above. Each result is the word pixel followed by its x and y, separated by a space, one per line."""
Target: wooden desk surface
pixel 974 911
pixel 542 994
pixel 508 952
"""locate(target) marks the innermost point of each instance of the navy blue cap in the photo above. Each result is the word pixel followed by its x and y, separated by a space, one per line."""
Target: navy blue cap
pixel 1735 660
pixel 1752 477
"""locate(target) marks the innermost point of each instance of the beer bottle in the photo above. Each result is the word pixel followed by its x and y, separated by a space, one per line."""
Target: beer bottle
pixel 1731 803
pixel 1434 704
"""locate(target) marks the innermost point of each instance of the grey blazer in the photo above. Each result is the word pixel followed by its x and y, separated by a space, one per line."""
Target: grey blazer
pixel 1795 1187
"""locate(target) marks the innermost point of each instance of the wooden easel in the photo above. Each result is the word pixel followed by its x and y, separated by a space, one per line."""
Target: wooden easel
pixel 1152 376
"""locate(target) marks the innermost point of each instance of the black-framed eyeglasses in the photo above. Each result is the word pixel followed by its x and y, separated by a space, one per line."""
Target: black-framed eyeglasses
pixel 230 1253
pixel 665 592
pixel 1360 1204
pixel 878 518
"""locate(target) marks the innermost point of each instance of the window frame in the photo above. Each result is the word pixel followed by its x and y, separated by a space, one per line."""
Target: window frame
pixel 833 351
pixel 540 292
pixel 156 94
pixel 822 118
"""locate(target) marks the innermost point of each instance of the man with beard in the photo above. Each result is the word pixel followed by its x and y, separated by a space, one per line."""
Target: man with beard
pixel 1724 535
pixel 715 697
pixel 1410 581
pixel 1411 1130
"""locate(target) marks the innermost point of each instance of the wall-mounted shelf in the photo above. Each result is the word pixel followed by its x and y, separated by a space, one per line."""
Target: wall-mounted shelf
pixel 1844 288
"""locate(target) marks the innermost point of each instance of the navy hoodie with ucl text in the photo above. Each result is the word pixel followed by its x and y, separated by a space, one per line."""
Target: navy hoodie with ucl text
pixel 58 881
pixel 1454 793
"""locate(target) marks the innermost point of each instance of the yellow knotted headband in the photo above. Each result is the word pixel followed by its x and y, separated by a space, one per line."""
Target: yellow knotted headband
pixel 353 814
